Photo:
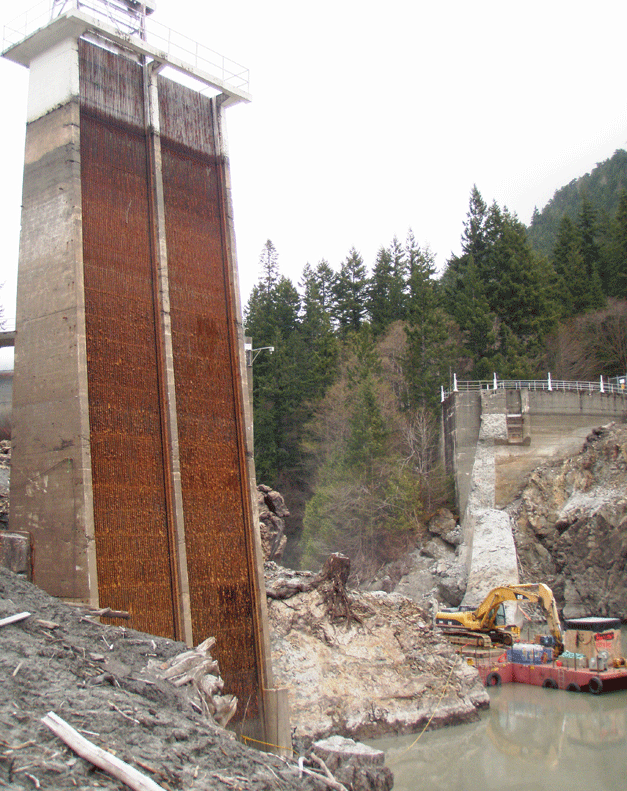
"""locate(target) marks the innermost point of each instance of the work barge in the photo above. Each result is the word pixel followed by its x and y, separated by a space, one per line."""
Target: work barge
pixel 598 666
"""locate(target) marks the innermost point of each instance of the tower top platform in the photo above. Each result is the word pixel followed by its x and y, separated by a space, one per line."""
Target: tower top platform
pixel 125 24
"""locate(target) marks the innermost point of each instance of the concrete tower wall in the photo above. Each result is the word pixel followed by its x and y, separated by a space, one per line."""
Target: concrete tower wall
pixel 51 470
pixel 131 463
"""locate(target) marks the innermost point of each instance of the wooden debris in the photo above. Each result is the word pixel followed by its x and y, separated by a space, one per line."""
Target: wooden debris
pixel 99 612
pixel 98 757
pixel 124 714
pixel 19 616
pixel 47 624
pixel 327 778
pixel 34 779
pixel 198 668
pixel 333 783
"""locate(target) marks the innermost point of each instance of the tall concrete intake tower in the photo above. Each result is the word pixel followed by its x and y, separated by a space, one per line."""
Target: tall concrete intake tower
pixel 132 466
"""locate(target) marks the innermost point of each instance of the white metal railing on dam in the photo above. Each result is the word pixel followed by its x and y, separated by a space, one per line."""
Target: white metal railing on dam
pixel 604 385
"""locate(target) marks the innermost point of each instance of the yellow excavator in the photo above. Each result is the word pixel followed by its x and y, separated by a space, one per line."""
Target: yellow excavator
pixel 486 624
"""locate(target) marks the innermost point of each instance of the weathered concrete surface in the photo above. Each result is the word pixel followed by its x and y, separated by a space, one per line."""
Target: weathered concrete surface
pixel 385 671
pixel 461 420
pixel 558 423
pixel 488 547
pixel 50 484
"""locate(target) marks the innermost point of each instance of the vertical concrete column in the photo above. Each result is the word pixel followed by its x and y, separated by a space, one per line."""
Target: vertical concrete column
pixel 275 706
pixel 51 494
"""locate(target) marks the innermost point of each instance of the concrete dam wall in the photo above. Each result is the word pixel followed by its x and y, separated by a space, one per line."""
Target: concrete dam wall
pixel 493 439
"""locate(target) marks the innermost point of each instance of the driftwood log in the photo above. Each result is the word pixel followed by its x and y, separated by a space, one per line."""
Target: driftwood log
pixel 98 757
pixel 19 616
pixel 99 612
pixel 202 672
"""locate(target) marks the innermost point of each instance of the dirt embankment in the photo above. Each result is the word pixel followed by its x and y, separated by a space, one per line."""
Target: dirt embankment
pixel 94 677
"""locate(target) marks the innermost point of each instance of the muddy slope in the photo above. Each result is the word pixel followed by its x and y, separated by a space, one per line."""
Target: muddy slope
pixel 94 677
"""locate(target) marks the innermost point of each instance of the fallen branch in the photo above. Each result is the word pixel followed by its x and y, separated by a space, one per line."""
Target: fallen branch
pixel 331 783
pixel 99 612
pixel 18 616
pixel 99 757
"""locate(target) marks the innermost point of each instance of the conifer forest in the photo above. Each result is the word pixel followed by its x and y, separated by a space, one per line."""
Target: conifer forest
pixel 347 407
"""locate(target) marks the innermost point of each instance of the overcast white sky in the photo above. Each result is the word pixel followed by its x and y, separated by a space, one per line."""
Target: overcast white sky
pixel 368 119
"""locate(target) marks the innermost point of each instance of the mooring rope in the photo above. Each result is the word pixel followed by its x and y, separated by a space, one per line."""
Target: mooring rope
pixel 437 705
pixel 433 713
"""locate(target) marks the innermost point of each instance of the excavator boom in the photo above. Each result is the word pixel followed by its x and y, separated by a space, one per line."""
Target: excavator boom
pixel 483 619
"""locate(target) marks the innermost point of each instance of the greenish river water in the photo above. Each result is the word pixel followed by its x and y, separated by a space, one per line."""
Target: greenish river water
pixel 530 738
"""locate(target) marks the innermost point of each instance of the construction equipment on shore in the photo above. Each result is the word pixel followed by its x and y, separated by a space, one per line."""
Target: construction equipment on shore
pixel 486 624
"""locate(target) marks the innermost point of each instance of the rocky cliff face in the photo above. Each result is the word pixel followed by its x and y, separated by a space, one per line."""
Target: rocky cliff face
pixel 571 526
pixel 272 514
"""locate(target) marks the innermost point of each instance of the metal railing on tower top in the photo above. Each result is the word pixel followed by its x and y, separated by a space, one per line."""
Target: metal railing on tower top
pixel 603 385
pixel 129 19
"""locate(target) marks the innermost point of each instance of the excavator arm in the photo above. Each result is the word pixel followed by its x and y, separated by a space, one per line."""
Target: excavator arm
pixel 483 619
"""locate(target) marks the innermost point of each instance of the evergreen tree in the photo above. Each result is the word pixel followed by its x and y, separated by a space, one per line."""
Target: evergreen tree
pixel 387 292
pixel 380 305
pixel 366 440
pixel 474 241
pixel 591 254
pixel 350 292
pixel 325 278
pixel 578 291
pixel 269 265
pixel 399 288
pixel 521 289
pixel 320 347
pixel 272 319
pixel 615 284
pixel 428 351
pixel 471 310
pixel 501 294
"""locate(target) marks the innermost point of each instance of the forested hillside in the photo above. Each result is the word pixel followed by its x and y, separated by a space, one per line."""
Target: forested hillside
pixel 602 189
pixel 346 409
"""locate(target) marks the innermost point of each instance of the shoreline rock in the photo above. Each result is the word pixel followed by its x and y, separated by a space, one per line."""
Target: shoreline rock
pixel 380 671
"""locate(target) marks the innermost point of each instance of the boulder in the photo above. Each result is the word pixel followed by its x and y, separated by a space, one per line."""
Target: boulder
pixel 445 525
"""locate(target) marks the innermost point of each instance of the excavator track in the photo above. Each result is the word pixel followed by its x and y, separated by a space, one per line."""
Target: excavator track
pixel 471 639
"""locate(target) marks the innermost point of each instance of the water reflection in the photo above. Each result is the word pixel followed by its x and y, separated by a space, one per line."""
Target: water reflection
pixel 531 738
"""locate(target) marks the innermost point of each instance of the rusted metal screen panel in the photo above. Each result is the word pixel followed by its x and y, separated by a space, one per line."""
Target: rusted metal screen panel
pixel 184 118
pixel 109 84
pixel 132 547
pixel 213 472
